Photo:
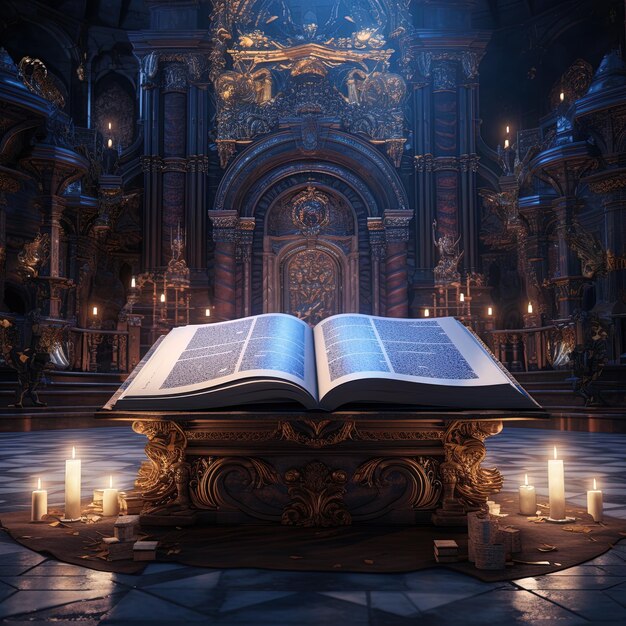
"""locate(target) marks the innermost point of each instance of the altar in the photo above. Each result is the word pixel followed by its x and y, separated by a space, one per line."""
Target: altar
pixel 311 468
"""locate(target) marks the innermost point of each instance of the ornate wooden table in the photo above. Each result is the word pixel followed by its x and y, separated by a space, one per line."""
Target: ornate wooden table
pixel 314 468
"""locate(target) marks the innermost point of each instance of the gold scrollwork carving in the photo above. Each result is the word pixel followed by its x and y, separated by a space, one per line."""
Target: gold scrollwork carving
pixel 208 477
pixel 316 496
pixel 421 474
pixel 315 438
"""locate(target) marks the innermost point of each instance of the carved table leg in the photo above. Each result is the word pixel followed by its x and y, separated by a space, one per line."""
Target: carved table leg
pixel 466 484
pixel 164 479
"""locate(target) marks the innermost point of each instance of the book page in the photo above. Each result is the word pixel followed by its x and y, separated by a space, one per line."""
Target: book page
pixel 196 357
pixel 437 351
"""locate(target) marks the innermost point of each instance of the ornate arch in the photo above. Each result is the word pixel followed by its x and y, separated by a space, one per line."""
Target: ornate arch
pixel 280 150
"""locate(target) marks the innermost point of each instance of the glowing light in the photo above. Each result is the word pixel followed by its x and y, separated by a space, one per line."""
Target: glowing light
pixel 562 96
pixel 73 452
pixel 39 484
pixel 489 310
pixel 595 487
pixel 526 479
pixel 462 297
pixel 508 129
pixel 162 298
pixel 506 144
pixel 111 482
pixel 95 311
pixel 530 307
pixel 426 312
pixel 110 126
pixel 133 283
pixel 207 312
pixel 110 143
pixel 555 453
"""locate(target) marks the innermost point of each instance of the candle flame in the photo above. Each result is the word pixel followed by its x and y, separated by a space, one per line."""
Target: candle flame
pixel 554 452
pixel 489 310
pixel 39 484
pixel 594 485
pixel 111 482
pixel 462 297
pixel 507 130
pixel 73 452
pixel 426 312
pixel 526 479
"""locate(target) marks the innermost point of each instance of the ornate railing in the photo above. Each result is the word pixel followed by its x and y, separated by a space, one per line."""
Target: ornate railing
pixel 99 350
pixel 527 349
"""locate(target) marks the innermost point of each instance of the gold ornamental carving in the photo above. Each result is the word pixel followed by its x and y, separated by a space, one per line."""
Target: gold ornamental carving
pixel 465 480
pixel 208 483
pixel 421 476
pixel 164 479
pixel 310 211
pixel 317 434
pixel 316 495
pixel 312 285
pixel 33 255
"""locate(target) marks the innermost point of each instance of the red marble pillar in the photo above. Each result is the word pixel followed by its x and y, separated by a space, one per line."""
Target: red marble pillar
pixel 225 224
pixel 396 224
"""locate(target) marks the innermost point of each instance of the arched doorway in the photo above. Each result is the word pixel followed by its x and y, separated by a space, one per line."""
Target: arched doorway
pixel 291 225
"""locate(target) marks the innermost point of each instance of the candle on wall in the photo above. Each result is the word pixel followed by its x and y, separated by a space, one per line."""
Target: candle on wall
pixel 39 503
pixel 95 311
pixel 207 312
pixel 162 298
pixel 72 487
pixel 527 498
pixel 508 130
pixel 530 307
pixel 133 283
pixel 426 312
pixel 489 311
pixel 556 488
pixel 594 503
pixel 110 504
pixel 110 143
pixel 462 297
pixel 562 96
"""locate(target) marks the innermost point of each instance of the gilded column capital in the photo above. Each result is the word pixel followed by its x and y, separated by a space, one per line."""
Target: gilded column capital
pixel 396 224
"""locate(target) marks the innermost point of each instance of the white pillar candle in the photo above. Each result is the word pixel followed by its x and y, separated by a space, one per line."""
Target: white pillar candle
pixel 527 498
pixel 556 488
pixel 39 503
pixel 594 503
pixel 110 504
pixel 72 487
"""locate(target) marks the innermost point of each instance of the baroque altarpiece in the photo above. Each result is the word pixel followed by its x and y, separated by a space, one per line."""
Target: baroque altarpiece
pixel 185 161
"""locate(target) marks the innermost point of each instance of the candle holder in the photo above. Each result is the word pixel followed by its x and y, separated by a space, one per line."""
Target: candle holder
pixel 565 520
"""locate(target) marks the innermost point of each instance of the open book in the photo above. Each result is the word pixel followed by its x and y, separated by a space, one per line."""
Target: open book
pixel 347 358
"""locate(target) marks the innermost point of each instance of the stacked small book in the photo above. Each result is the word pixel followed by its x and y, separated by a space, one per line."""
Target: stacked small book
pixel 446 550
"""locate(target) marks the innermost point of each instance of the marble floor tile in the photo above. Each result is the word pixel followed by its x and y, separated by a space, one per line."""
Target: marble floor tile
pixel 597 608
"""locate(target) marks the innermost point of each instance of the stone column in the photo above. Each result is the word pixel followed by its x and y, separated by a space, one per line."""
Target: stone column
pixel 441 59
pixel 244 255
pixel 225 225
pixel 54 168
pixel 562 167
pixel 377 250
pixel 396 225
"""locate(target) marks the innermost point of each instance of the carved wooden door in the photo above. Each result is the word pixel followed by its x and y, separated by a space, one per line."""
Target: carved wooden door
pixel 311 285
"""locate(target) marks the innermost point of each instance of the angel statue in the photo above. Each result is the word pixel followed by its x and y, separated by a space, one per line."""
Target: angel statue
pixel 446 271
